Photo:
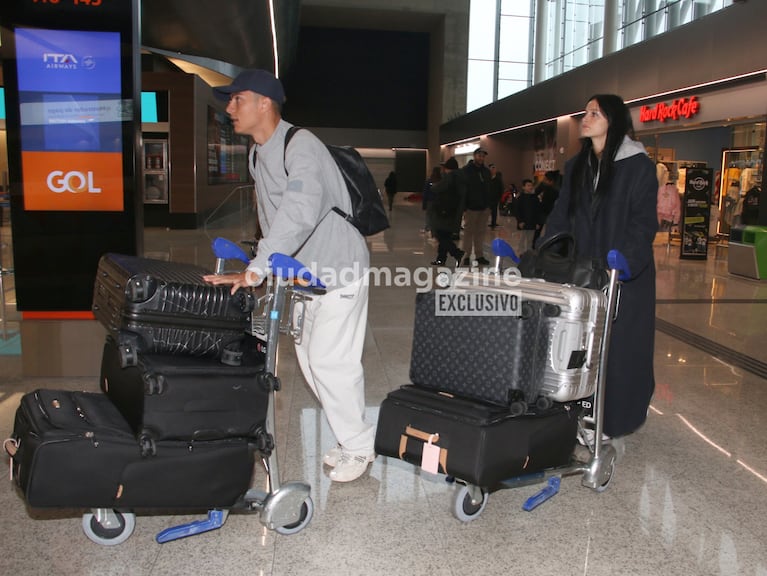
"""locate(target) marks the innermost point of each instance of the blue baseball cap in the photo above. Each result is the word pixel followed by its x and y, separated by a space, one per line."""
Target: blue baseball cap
pixel 256 80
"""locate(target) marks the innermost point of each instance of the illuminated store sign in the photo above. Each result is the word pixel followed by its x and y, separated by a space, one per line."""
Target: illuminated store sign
pixel 679 108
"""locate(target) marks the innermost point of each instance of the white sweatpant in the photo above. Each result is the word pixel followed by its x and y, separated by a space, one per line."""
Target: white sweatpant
pixel 330 357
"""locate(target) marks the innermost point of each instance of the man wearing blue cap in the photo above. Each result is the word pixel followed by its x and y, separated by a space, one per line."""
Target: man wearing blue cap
pixel 297 188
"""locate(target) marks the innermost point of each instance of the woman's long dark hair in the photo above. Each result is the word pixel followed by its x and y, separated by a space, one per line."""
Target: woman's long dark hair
pixel 587 164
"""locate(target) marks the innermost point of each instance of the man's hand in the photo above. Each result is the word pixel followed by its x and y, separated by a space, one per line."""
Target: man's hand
pixel 237 281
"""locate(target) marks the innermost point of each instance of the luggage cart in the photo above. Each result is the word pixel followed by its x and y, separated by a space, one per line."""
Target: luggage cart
pixel 286 508
pixel 468 500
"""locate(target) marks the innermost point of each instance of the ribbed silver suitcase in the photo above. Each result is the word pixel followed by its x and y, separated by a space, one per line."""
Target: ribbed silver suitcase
pixel 576 321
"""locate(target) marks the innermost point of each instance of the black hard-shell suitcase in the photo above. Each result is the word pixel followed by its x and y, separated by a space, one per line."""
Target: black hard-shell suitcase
pixel 74 449
pixel 184 397
pixel 479 443
pixel 162 307
pixel 497 359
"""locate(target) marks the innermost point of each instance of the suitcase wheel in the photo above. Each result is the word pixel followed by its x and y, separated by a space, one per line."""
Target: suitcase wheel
pixel 526 310
pixel 148 446
pixel 245 300
pixel 543 403
pixel 551 310
pixel 468 503
pixel 154 384
pixel 141 289
pixel 518 408
pixel 128 356
pixel 231 357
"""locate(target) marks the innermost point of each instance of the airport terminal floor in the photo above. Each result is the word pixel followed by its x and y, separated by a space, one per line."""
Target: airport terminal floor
pixel 689 496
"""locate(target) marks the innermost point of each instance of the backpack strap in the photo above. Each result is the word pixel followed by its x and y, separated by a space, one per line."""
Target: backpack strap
pixel 288 136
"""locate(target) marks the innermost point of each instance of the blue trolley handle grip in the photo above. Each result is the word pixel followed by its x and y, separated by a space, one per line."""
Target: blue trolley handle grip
pixel 617 261
pixel 228 250
pixel 290 269
pixel 503 249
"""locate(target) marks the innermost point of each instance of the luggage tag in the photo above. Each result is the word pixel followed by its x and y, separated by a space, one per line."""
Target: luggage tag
pixel 430 455
pixel 11 446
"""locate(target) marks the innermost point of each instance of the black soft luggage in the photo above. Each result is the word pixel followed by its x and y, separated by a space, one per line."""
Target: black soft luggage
pixel 185 398
pixel 74 449
pixel 478 442
pixel 154 306
pixel 497 359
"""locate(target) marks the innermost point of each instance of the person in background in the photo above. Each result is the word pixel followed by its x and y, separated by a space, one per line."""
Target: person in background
pixel 529 216
pixel 390 185
pixel 496 191
pixel 446 210
pixel 297 188
pixel 547 192
pixel 477 178
pixel 427 197
pixel 608 202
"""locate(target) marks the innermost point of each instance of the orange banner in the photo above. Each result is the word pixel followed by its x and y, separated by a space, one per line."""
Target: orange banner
pixel 61 181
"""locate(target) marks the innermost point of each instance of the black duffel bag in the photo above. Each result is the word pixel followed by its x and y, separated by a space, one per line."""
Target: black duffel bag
pixel 556 260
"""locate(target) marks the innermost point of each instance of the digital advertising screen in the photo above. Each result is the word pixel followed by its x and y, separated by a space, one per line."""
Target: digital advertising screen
pixel 72 80
pixel 71 115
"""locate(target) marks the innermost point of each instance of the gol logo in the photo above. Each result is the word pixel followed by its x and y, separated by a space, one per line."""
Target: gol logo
pixel 76 181
pixel 73 181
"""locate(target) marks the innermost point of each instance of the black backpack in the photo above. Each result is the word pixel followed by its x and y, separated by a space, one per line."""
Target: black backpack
pixel 447 200
pixel 368 213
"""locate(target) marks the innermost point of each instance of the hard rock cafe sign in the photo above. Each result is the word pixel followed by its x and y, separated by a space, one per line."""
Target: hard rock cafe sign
pixel 680 108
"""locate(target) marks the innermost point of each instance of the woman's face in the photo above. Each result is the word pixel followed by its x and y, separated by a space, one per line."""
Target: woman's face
pixel 594 124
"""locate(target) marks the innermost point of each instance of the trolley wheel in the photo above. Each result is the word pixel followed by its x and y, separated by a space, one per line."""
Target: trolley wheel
pixel 462 506
pixel 608 476
pixel 307 511
pixel 109 536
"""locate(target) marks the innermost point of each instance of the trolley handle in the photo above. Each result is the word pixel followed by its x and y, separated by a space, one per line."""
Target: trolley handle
pixel 290 269
pixel 224 250
pixel 503 249
pixel 617 261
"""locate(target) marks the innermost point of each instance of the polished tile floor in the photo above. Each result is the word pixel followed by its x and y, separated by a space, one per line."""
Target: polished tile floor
pixel 688 498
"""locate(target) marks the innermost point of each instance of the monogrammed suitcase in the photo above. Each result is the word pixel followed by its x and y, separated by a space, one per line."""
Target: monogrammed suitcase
pixel 154 306
pixel 75 450
pixel 476 442
pixel 493 358
pixel 185 397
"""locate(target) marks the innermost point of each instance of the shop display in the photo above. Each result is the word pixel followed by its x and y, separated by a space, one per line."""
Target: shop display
pixel 741 173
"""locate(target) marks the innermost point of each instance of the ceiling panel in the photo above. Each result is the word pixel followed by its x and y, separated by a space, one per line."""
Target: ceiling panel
pixel 233 32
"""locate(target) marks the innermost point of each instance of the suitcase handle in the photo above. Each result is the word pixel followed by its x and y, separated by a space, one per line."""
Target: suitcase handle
pixel 424 437
pixel 421 435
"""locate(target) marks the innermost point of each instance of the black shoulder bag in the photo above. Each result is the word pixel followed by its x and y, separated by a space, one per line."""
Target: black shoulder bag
pixel 556 260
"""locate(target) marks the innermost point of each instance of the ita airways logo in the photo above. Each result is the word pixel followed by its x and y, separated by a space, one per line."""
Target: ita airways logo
pixel 72 181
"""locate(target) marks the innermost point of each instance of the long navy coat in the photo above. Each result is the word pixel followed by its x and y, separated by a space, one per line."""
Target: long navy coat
pixel 625 220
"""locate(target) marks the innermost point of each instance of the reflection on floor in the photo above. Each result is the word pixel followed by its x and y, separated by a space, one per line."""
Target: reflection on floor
pixel 690 496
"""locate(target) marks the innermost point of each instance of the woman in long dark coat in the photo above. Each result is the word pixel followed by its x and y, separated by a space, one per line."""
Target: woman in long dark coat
pixel 608 201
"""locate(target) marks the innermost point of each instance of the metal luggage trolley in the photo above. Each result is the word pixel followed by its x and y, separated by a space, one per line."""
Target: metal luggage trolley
pixel 468 501
pixel 286 508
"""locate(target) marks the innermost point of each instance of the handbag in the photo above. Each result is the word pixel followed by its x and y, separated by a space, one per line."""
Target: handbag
pixel 557 260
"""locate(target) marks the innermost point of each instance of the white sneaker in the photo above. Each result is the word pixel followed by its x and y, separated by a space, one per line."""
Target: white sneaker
pixel 332 456
pixel 350 467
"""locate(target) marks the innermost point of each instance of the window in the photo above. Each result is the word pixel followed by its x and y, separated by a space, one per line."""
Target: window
pixel 502 37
